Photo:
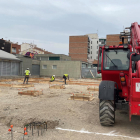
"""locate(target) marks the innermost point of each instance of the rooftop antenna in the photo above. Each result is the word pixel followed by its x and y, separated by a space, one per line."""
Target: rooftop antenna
pixel 123 27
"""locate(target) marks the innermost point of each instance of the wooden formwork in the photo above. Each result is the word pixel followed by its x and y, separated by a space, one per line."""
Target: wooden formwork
pixel 56 82
pixel 16 79
pixel 33 81
pixel 37 80
pixel 17 86
pixel 5 85
pixel 31 92
pixel 82 83
pixel 57 87
pixel 93 88
pixel 93 82
pixel 44 82
pixel 5 80
pixel 22 86
pixel 82 97
pixel 30 81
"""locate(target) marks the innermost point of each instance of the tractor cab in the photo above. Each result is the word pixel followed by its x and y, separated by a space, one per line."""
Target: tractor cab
pixel 112 61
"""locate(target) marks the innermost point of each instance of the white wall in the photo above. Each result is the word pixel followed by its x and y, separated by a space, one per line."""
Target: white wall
pixel 94 46
pixel 92 36
pixel 25 46
pixel 32 50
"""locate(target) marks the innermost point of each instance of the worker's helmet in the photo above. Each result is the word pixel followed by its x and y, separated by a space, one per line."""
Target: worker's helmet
pixel 27 68
pixel 53 75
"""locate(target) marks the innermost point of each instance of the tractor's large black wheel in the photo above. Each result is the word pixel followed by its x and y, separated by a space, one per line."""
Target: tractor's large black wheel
pixel 107 112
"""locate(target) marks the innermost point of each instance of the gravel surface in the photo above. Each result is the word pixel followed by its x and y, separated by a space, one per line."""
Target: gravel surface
pixel 68 119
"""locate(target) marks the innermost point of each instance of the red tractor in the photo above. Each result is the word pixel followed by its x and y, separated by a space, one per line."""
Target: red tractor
pixel 120 68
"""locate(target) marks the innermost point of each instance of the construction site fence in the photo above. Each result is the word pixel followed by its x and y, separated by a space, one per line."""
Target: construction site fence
pixel 89 72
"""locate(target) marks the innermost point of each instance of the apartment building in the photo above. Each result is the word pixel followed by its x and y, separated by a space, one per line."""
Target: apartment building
pixel 79 47
pixel 102 42
pixel 114 39
pixel 94 46
pixel 84 47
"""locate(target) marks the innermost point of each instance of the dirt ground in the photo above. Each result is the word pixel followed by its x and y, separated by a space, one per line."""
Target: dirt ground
pixel 69 119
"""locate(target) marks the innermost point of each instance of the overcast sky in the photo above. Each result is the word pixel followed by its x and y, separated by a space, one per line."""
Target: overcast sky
pixel 49 23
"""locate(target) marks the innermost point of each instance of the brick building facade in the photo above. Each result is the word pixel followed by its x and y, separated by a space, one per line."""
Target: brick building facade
pixel 78 47
pixel 15 48
pixel 114 39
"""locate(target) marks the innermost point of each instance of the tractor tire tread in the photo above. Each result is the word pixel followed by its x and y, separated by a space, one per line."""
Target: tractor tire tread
pixel 107 112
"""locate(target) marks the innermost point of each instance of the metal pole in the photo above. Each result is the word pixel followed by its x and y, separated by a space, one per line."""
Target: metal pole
pixel 32 129
pixel 11 134
pixel 46 126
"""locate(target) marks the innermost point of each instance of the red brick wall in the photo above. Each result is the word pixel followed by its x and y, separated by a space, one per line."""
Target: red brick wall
pixel 114 40
pixel 78 47
pixel 18 48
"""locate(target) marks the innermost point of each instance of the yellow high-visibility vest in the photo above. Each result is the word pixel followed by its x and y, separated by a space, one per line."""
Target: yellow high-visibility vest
pixel 27 72
pixel 66 75
pixel 52 79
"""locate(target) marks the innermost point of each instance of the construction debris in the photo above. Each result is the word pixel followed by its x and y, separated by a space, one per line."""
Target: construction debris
pixel 82 97
pixel 57 87
pixel 31 92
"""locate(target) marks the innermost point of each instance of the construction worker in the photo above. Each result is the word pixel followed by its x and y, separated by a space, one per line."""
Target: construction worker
pixel 27 73
pixel 52 78
pixel 65 77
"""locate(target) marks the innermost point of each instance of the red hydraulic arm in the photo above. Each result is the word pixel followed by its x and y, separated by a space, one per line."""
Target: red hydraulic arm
pixel 135 37
pixel 134 78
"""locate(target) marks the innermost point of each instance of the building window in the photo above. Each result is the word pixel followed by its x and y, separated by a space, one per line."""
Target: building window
pixel 14 50
pixel 54 58
pixel 54 67
pixel 44 66
pixel 97 42
pixel 91 57
pixel 89 65
pixel 91 42
pixel 83 65
pixel 97 47
pixel 91 52
pixel 91 47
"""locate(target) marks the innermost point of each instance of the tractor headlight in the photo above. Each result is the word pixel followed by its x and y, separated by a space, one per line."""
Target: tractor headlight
pixel 125 46
pixel 106 47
